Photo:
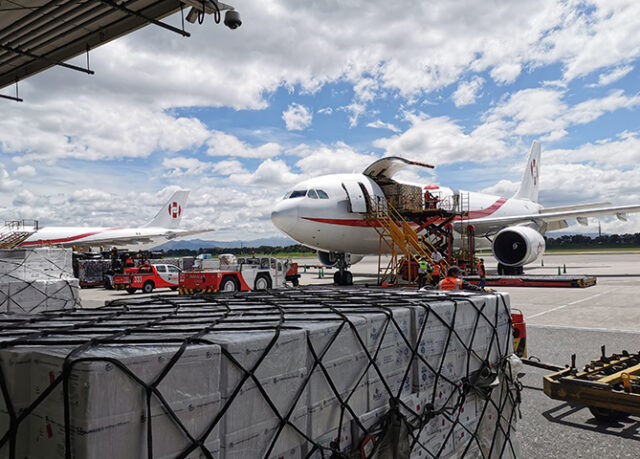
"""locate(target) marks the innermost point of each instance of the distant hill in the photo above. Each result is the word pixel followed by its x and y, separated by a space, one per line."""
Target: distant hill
pixel 195 244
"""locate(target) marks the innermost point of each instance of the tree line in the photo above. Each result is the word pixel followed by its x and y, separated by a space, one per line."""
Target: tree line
pixel 579 241
pixel 262 250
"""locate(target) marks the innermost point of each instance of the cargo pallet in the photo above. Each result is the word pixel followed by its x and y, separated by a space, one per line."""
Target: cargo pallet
pixel 608 386
pixel 536 281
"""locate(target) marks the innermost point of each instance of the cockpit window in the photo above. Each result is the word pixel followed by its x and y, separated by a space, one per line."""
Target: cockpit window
pixel 286 195
pixel 312 194
pixel 297 194
pixel 322 194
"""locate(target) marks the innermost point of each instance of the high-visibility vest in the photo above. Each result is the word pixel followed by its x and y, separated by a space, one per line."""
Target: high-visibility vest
pixel 422 266
pixel 481 271
pixel 436 270
pixel 450 283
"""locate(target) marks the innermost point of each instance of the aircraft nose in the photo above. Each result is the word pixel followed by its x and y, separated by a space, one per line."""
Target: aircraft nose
pixel 284 216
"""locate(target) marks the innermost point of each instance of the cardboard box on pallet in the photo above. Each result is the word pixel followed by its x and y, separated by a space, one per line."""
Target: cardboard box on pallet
pixel 284 441
pixel 255 361
pixel 35 264
pixel 19 296
pixel 107 407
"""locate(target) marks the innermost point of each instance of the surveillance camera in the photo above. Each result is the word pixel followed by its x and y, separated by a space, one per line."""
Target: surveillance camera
pixel 232 19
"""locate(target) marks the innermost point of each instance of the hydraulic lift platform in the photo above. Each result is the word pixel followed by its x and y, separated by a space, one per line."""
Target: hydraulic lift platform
pixel 535 281
pixel 608 386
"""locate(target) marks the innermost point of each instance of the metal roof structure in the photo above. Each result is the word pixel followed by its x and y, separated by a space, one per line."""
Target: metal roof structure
pixel 39 34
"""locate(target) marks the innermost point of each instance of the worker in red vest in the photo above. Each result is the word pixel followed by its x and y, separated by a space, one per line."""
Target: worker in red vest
pixel 482 272
pixel 453 282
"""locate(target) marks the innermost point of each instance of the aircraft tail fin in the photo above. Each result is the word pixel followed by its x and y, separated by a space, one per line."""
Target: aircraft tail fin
pixel 170 213
pixel 530 180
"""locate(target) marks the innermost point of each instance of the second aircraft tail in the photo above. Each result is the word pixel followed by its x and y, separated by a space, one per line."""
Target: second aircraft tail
pixel 170 214
pixel 530 180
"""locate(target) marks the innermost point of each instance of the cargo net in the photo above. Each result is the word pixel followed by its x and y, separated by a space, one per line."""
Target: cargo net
pixel 305 373
pixel 36 280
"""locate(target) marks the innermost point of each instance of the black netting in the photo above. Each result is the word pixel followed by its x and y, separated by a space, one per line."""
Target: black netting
pixel 37 280
pixel 293 373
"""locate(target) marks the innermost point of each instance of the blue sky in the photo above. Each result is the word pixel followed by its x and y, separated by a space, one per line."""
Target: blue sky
pixel 306 89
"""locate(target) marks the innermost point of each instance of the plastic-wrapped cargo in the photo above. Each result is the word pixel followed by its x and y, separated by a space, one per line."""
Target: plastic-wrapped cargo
pixel 290 373
pixel 36 280
pixel 91 272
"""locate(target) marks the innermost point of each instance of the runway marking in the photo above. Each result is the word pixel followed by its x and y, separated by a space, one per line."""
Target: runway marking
pixel 566 327
pixel 569 304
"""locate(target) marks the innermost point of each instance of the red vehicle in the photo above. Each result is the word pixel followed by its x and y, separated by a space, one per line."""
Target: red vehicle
pixel 244 273
pixel 147 278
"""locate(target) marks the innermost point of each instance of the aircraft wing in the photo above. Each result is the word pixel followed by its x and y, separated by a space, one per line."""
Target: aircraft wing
pixel 546 219
pixel 388 167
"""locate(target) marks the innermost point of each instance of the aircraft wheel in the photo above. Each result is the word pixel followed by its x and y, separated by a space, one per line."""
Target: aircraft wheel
pixel 337 278
pixel 229 284
pixel 148 287
pixel 348 278
pixel 263 282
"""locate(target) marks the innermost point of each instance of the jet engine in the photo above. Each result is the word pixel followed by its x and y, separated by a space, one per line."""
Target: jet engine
pixel 517 246
pixel 331 259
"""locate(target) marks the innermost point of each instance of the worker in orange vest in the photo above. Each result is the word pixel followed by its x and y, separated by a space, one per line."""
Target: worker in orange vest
pixel 435 275
pixel 482 272
pixel 453 282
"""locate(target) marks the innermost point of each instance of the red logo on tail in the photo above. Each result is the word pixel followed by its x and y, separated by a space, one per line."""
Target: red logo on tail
pixel 175 210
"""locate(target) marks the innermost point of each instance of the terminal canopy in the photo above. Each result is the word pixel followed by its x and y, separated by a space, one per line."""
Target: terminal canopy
pixel 38 34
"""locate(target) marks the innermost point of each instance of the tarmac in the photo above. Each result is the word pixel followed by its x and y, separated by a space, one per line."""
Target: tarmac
pixel 560 322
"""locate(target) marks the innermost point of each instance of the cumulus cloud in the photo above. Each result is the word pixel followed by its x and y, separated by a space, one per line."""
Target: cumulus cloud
pixel 222 144
pixel 378 124
pixel 6 182
pixel 614 75
pixel 331 159
pixel 467 91
pixel 268 173
pixel 297 117
pixel 440 141
pixel 25 171
pixel 180 165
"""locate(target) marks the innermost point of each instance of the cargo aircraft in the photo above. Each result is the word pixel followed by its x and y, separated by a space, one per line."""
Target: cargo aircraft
pixel 328 214
pixel 163 227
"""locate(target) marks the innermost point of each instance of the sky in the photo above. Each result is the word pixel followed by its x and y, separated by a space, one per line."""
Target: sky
pixel 303 89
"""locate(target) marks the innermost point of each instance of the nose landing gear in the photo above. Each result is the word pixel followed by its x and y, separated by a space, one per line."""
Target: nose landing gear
pixel 343 276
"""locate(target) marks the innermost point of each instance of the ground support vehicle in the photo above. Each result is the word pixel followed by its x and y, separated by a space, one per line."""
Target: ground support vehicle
pixel 245 273
pixel 608 386
pixel 147 278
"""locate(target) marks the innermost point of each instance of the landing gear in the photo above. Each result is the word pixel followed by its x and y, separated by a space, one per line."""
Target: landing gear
pixel 510 270
pixel 343 276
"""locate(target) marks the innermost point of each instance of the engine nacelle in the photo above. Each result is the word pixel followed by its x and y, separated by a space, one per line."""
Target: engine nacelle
pixel 518 246
pixel 331 259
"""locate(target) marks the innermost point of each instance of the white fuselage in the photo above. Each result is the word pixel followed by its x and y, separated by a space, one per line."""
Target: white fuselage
pixel 89 236
pixel 331 224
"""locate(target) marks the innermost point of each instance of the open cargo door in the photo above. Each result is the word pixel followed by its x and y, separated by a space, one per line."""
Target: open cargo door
pixel 357 199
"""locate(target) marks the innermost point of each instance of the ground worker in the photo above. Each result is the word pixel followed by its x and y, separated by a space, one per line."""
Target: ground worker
pixel 453 282
pixel 435 275
pixel 482 272
pixel 423 266
pixel 129 263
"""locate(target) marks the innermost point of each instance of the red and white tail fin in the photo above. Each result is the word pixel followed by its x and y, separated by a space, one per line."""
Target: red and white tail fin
pixel 170 214
pixel 530 180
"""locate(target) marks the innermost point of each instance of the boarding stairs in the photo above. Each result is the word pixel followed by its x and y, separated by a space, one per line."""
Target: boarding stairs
pixel 14 232
pixel 404 243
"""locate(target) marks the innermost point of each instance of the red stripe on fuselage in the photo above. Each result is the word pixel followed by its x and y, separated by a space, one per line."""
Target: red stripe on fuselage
pixel 364 223
pixel 65 239
pixel 344 221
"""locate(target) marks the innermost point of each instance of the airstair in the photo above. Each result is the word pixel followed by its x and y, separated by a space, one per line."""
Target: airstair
pixel 14 232
pixel 402 241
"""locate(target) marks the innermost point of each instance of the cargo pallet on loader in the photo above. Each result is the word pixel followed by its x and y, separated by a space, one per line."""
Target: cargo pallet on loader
pixel 535 281
pixel 608 386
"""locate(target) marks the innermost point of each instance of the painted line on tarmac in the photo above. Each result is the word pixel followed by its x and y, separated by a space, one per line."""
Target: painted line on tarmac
pixel 568 304
pixel 566 327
